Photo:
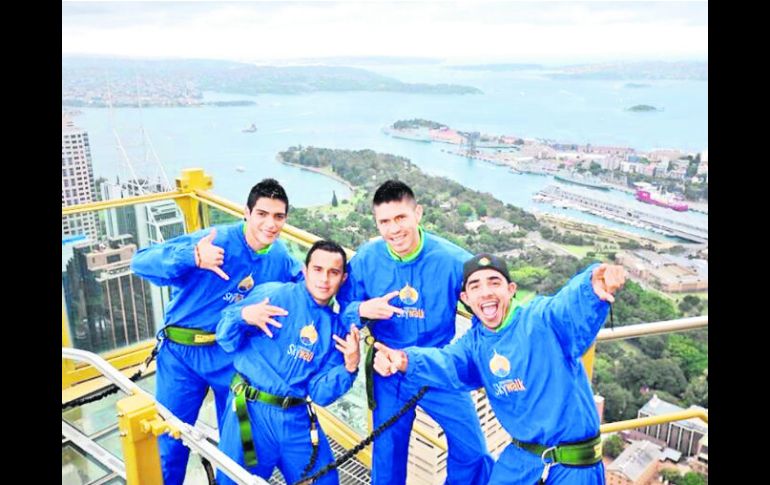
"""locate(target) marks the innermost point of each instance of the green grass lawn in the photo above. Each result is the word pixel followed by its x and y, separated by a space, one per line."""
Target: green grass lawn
pixel 703 295
pixel 579 251
pixel 582 251
pixel 342 210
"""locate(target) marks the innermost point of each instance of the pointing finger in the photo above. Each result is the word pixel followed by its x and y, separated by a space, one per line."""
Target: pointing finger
pixel 221 273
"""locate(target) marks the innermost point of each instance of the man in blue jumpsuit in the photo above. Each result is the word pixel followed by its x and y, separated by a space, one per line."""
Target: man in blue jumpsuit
pixel 268 421
pixel 406 286
pixel 208 270
pixel 528 360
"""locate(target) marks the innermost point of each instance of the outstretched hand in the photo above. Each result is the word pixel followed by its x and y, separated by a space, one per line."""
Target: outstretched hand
pixel 607 279
pixel 210 257
pixel 388 361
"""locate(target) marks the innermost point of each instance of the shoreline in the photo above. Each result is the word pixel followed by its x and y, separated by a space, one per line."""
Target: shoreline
pixel 332 176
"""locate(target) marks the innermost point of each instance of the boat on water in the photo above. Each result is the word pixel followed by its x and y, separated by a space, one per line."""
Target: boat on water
pixel 582 181
pixel 656 198
pixel 250 129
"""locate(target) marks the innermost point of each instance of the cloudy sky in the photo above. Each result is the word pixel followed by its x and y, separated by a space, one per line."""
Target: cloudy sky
pixel 461 31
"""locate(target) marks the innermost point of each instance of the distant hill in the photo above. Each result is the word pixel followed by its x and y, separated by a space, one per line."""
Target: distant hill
pixel 368 61
pixel 88 74
pixel 497 67
pixel 691 70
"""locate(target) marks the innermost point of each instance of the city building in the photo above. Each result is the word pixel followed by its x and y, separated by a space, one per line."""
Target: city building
pixel 107 305
pixel 668 272
pixel 609 163
pixel 682 436
pixel 637 465
pixel 427 462
pixel 77 179
pixel 664 154
pixel 149 223
pixel 700 462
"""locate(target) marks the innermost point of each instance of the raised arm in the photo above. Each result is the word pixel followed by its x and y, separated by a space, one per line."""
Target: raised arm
pixel 165 264
pixel 450 367
pixel 577 312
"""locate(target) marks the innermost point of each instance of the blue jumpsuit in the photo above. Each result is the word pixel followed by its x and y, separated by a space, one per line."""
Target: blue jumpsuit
pixel 430 285
pixel 300 360
pixel 184 372
pixel 534 378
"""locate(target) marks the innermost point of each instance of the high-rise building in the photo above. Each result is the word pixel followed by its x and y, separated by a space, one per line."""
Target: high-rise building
pixel 77 179
pixel 682 436
pixel 148 224
pixel 428 463
pixel 109 306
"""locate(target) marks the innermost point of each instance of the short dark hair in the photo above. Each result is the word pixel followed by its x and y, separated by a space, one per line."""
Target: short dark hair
pixel 330 247
pixel 392 191
pixel 269 188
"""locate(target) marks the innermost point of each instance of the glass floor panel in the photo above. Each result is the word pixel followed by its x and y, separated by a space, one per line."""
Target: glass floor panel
pixel 78 468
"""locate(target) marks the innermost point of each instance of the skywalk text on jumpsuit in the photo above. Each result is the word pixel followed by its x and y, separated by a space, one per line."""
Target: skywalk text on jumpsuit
pixel 299 361
pixel 429 282
pixel 534 378
pixel 186 371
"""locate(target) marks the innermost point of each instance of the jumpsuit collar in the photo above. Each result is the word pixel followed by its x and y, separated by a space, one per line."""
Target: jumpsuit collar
pixel 262 251
pixel 411 256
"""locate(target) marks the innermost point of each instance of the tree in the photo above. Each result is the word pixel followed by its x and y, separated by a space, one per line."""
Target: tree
pixel 618 402
pixel 612 446
pixel 667 376
pixel 697 391
pixel 636 305
pixel 677 249
pixel 603 369
pixel 688 354
pixel 334 199
pixel 464 209
pixel 691 304
pixel 692 168
pixel 672 476
pixel 692 478
pixel 652 345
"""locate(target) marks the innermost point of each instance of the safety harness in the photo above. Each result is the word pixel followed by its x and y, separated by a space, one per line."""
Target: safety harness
pixel 243 392
pixel 188 336
pixel 581 453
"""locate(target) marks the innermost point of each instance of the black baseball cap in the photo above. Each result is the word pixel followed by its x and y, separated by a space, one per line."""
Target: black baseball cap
pixel 485 261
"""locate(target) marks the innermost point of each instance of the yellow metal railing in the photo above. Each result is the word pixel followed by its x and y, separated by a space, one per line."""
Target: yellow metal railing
pixel 652 328
pixel 141 419
pixel 653 420
pixel 193 198
pixel 194 201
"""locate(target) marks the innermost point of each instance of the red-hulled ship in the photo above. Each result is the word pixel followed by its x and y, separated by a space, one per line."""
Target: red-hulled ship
pixel 657 199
